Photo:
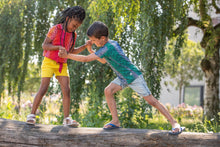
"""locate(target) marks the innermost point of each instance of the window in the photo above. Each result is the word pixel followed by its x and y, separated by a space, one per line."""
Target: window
pixel 193 95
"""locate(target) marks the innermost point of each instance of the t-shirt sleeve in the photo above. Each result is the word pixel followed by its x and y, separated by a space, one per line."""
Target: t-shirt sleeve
pixel 102 52
pixel 52 32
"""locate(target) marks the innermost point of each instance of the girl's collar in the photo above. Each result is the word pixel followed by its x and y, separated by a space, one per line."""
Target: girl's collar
pixel 60 26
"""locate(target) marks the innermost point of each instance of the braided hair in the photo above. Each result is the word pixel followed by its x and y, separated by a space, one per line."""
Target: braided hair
pixel 76 12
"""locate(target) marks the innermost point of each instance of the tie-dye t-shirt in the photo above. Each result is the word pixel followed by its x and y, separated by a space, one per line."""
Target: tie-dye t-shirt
pixel 122 66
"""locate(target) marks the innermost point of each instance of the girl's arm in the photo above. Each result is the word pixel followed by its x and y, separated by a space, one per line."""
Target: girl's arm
pixel 47 45
pixel 78 49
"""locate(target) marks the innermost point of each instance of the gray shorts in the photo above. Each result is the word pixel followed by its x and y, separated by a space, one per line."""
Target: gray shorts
pixel 139 85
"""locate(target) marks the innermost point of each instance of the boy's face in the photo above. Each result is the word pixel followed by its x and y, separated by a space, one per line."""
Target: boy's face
pixel 98 42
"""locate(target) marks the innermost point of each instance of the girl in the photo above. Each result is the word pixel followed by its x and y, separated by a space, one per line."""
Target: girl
pixel 60 36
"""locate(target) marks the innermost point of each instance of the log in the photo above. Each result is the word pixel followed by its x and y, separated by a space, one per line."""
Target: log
pixel 19 134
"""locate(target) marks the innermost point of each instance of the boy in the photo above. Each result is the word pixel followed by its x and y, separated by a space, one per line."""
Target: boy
pixel 127 74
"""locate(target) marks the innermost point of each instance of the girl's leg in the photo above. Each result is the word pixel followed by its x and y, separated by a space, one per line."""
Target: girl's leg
pixel 155 103
pixel 65 87
pixel 110 90
pixel 45 81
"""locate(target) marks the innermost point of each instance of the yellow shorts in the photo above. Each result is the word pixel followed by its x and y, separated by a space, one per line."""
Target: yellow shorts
pixel 50 67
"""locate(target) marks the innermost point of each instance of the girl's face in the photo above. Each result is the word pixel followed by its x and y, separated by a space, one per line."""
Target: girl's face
pixel 73 24
pixel 98 42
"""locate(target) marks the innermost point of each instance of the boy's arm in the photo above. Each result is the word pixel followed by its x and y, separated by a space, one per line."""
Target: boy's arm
pixel 102 60
pixel 80 58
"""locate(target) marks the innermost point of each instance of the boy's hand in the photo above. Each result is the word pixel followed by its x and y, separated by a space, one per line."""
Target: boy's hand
pixel 62 52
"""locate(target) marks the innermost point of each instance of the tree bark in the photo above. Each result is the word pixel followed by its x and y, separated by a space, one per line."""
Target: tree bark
pixel 211 102
pixel 180 94
pixel 210 64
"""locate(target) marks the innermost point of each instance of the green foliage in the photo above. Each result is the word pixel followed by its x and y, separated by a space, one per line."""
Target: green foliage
pixel 123 11
pixel 132 110
pixel 184 68
pixel 32 82
pixel 11 44
pixel 142 29
pixel 189 116
pixel 43 17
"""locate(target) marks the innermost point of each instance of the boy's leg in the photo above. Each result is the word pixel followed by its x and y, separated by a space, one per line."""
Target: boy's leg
pixel 45 81
pixel 140 86
pixel 65 87
pixel 110 90
pixel 155 103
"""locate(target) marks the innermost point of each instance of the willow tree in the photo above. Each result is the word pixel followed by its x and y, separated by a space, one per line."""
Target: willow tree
pixel 143 42
pixel 22 22
pixel 11 38
pixel 146 40
pixel 155 22
pixel 24 25
pixel 211 43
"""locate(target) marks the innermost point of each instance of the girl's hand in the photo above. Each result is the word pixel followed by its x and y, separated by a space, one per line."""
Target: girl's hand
pixel 61 48
pixel 62 52
pixel 88 43
pixel 89 46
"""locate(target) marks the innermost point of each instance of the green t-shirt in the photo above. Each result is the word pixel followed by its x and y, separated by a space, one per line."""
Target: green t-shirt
pixel 115 57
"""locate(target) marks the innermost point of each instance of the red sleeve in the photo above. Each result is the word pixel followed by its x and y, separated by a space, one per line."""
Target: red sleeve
pixel 52 32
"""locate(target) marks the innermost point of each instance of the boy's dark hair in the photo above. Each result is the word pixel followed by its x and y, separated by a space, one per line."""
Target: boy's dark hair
pixel 76 12
pixel 97 29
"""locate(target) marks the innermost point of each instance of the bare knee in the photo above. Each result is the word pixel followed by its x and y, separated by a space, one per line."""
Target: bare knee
pixel 66 91
pixel 108 91
pixel 42 91
pixel 154 103
pixel 151 100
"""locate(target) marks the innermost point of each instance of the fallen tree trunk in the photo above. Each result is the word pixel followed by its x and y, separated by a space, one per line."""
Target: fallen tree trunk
pixel 16 133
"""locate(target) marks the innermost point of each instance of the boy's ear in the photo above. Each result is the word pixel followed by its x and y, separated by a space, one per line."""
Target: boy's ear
pixel 103 38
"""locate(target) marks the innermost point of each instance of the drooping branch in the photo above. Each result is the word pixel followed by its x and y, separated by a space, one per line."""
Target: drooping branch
pixel 216 7
pixel 191 22
pixel 217 29
pixel 203 10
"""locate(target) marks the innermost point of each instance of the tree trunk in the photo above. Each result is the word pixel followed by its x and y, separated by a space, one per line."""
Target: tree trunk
pixel 210 67
pixel 180 94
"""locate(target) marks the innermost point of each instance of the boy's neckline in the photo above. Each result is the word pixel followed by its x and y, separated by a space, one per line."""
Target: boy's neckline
pixel 106 42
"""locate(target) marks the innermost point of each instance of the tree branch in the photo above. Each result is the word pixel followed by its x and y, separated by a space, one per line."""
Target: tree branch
pixel 203 10
pixel 196 23
pixel 216 7
pixel 191 22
